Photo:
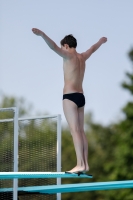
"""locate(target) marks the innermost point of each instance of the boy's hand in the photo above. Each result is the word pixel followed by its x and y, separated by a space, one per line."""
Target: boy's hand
pixel 37 31
pixel 103 40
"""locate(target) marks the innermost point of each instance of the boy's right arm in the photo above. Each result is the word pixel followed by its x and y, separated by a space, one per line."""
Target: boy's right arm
pixel 94 47
pixel 51 44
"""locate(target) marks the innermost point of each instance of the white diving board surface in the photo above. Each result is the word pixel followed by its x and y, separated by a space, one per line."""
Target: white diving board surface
pixel 65 188
pixel 19 175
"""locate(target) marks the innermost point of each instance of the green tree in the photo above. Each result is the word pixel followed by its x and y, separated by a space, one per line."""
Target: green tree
pixel 124 150
pixel 11 101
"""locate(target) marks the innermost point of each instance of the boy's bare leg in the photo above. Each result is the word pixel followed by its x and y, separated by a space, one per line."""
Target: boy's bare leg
pixel 85 142
pixel 72 117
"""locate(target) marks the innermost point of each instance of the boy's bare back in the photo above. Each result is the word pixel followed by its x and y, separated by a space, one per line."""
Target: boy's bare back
pixel 74 68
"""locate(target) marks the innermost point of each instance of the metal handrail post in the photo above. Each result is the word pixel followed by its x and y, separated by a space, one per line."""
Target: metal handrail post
pixel 58 152
pixel 15 181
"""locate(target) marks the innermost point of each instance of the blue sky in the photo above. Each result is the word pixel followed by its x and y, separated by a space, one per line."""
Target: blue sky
pixel 29 69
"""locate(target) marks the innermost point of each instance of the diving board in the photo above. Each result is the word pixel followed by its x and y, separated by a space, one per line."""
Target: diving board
pixel 65 188
pixel 19 175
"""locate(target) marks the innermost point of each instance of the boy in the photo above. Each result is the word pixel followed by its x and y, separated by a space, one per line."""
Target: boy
pixel 73 97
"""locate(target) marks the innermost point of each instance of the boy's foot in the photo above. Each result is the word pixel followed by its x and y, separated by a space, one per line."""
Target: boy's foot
pixel 86 169
pixel 77 170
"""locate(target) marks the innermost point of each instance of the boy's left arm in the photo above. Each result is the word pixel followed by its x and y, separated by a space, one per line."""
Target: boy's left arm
pixel 51 43
pixel 94 47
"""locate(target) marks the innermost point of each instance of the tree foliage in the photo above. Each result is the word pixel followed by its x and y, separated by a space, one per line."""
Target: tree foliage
pixel 124 153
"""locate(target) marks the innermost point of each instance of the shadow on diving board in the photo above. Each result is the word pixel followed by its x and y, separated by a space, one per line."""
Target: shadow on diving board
pixel 65 188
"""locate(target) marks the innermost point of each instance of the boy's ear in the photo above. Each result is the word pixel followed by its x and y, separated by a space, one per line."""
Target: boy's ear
pixel 66 46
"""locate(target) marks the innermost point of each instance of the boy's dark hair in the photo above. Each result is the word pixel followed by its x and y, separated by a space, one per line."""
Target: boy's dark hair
pixel 70 40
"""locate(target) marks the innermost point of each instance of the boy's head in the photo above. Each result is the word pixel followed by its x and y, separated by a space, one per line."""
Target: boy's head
pixel 69 40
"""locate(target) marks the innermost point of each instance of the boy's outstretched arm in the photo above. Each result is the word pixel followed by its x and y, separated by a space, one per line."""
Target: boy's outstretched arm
pixel 94 47
pixel 51 43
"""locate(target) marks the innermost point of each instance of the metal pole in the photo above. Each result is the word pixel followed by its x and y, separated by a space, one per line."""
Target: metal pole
pixel 5 109
pixel 15 181
pixel 29 118
pixel 59 152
